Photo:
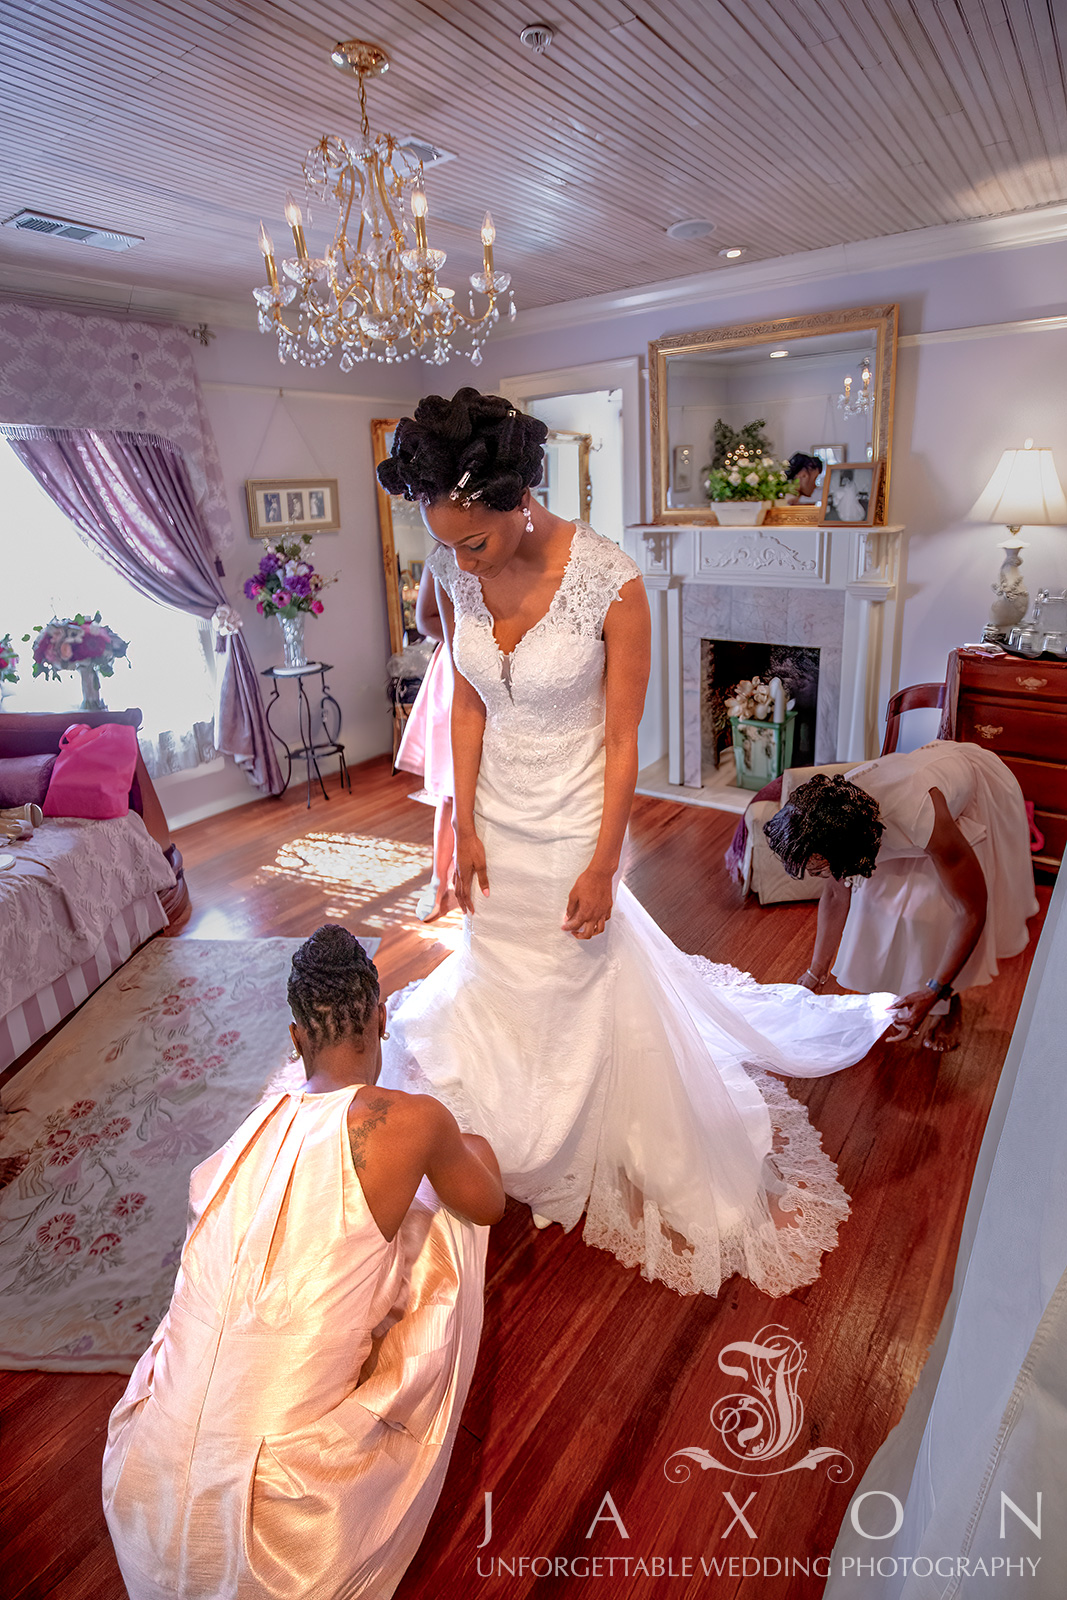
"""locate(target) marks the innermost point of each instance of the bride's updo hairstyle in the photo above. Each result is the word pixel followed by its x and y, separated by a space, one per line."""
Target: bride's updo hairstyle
pixel 477 438
pixel 827 817
pixel 333 986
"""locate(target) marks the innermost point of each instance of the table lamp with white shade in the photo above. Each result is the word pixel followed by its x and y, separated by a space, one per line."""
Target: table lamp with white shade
pixel 1024 491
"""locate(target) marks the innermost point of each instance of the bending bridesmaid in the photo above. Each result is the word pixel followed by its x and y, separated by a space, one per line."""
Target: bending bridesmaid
pixel 268 1443
pixel 930 882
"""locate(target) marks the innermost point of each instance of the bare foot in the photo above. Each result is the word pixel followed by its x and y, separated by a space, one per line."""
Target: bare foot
pixel 945 1033
pixel 436 903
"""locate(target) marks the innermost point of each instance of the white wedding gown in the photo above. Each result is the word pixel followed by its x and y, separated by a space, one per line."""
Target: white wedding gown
pixel 613 1076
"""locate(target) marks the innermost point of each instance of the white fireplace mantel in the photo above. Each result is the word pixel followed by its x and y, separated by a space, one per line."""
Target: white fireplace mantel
pixel 863 564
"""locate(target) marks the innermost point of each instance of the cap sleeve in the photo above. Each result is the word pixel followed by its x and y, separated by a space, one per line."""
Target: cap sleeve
pixel 442 564
pixel 597 571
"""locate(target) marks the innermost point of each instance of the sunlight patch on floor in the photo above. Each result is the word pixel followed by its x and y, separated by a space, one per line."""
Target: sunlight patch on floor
pixel 446 931
pixel 356 868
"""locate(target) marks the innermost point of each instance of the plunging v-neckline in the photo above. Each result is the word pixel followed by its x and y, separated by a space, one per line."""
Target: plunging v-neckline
pixel 507 656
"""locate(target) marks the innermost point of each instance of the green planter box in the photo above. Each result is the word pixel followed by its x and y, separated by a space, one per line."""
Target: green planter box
pixel 762 750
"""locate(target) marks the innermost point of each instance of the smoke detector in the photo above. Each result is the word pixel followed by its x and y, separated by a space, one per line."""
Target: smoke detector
pixel 64 228
pixel 537 36
pixel 691 228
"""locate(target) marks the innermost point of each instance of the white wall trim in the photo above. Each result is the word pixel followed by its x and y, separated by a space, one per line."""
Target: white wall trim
pixel 390 405
pixel 983 330
pixel 942 243
pixel 144 302
pixel 622 373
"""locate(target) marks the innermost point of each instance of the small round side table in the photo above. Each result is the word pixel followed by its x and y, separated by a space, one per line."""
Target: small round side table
pixel 329 718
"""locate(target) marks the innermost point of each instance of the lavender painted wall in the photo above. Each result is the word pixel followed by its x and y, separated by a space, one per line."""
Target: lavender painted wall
pixel 322 430
pixel 958 405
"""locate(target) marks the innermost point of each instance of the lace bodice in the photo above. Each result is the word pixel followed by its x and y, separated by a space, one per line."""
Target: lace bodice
pixel 548 694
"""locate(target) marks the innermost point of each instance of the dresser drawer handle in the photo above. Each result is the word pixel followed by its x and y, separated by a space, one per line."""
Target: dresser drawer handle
pixel 1031 683
pixel 987 729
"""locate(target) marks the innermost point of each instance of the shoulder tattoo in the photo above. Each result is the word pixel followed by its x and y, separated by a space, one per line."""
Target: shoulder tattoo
pixel 357 1137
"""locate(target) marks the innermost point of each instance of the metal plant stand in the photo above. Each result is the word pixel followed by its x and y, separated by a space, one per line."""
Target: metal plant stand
pixel 329 720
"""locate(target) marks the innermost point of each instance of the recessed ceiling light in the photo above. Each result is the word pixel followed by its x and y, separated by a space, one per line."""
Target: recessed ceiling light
pixel 732 252
pixel 691 228
pixel 776 355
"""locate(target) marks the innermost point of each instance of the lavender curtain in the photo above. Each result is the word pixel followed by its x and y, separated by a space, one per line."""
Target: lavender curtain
pixel 131 498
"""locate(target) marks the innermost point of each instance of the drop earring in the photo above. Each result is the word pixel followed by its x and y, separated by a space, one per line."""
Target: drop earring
pixel 529 518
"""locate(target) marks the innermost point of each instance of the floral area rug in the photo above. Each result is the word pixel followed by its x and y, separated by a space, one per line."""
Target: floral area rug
pixel 101 1131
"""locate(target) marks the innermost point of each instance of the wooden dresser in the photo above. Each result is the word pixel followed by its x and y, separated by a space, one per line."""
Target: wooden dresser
pixel 1018 709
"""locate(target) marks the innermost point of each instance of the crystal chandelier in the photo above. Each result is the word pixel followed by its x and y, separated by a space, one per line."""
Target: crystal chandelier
pixel 861 403
pixel 375 294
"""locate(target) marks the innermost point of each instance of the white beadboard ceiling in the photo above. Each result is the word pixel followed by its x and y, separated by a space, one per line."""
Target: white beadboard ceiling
pixel 792 124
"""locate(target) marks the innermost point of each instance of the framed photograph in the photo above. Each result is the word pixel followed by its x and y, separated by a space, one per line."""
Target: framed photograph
pixel 851 493
pixel 682 469
pixel 831 454
pixel 301 505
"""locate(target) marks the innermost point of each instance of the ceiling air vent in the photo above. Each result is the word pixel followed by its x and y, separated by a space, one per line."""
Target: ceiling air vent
pixel 691 228
pixel 424 151
pixel 63 228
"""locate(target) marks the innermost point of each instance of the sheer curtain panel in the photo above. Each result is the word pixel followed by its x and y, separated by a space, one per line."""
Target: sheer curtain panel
pixel 131 498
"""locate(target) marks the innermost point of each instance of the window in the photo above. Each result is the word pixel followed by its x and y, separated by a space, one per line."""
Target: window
pixel 49 571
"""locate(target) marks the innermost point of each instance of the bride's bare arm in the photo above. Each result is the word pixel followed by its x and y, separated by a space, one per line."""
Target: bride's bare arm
pixel 627 652
pixel 468 727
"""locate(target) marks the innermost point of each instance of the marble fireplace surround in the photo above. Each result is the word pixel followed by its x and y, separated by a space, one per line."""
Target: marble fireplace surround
pixel 760 616
pixel 835 589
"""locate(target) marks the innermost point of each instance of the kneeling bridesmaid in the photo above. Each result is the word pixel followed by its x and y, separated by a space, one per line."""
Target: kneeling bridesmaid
pixel 288 1430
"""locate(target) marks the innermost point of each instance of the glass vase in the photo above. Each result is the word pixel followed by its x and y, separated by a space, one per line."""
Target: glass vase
pixel 92 699
pixel 293 639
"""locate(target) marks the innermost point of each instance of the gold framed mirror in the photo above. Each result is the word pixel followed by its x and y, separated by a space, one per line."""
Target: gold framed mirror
pixel 567 490
pixel 789 374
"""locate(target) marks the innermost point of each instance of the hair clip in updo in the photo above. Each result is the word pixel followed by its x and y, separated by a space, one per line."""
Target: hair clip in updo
pixel 466 500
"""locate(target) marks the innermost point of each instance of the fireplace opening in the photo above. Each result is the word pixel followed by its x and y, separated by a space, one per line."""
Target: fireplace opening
pixel 725 662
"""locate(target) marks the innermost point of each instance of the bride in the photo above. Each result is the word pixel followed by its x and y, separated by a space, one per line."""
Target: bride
pixel 612 1074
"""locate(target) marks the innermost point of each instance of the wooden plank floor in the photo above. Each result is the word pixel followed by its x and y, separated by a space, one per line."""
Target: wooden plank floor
pixel 588 1377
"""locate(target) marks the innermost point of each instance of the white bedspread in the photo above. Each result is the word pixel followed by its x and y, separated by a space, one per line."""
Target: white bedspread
pixel 67 883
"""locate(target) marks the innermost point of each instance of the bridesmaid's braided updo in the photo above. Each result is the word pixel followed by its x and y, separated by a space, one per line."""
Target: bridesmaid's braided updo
pixel 827 817
pixel 480 435
pixel 333 986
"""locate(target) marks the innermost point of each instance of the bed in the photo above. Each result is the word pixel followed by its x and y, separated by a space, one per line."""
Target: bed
pixel 82 895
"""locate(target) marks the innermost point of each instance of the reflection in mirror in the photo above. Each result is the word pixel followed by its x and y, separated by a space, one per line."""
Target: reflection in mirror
pixel 802 391
pixel 406 544
pixel 566 487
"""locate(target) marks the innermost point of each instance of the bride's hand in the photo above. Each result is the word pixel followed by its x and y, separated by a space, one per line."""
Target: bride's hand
pixel 470 864
pixel 589 905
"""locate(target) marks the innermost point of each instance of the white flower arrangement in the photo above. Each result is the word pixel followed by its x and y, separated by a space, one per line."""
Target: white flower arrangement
pixel 753 700
pixel 745 477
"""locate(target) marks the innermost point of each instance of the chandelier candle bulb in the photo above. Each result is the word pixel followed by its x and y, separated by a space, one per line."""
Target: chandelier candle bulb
pixel 419 207
pixel 295 218
pixel 488 235
pixel 266 245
